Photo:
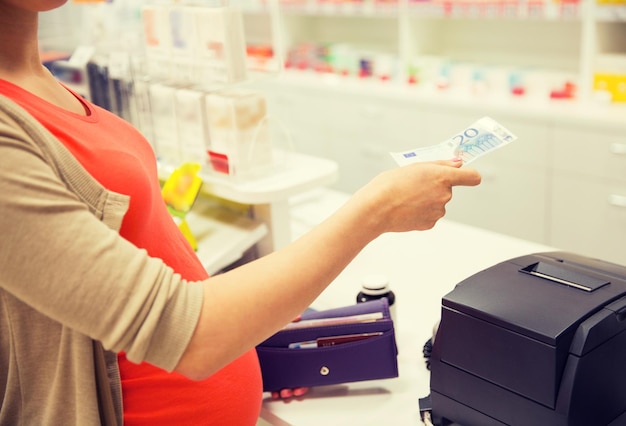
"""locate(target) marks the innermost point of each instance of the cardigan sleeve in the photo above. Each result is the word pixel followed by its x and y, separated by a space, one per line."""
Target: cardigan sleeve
pixel 61 254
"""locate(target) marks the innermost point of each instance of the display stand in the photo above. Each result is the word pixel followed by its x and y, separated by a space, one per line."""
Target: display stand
pixel 266 196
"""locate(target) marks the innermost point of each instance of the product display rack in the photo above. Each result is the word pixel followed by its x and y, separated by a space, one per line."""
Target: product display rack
pixel 567 38
pixel 264 199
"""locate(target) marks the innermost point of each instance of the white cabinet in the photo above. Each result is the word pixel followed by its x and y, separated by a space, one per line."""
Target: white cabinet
pixel 589 191
pixel 586 217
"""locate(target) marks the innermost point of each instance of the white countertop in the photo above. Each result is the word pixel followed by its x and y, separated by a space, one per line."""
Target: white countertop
pixel 422 267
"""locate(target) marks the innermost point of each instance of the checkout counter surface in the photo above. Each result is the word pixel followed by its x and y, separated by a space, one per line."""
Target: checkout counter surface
pixel 422 267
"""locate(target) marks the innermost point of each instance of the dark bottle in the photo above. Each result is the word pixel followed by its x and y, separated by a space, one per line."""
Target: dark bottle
pixel 374 287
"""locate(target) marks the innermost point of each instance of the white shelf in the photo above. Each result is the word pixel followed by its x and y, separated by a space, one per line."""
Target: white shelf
pixel 547 11
pixel 223 235
pixel 296 173
pixel 268 196
pixel 562 111
pixel 560 40
pixel 611 13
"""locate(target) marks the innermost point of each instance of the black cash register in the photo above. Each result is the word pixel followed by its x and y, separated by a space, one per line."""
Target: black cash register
pixel 538 340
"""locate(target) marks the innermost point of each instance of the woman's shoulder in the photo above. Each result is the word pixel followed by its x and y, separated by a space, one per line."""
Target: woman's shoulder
pixel 13 118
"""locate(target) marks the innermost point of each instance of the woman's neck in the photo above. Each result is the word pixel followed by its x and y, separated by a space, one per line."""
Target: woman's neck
pixel 19 44
pixel 20 62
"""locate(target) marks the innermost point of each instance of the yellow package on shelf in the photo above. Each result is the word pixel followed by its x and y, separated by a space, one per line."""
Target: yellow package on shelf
pixel 615 84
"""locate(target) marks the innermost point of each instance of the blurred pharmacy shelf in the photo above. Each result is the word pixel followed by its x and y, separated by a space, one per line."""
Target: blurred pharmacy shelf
pixel 564 111
pixel 263 198
pixel 608 12
pixel 398 40
pixel 295 173
pixel 223 235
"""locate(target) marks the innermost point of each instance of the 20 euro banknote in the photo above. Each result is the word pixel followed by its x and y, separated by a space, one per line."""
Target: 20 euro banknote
pixel 480 138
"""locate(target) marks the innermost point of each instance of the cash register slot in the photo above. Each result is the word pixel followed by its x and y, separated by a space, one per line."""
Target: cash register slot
pixel 564 276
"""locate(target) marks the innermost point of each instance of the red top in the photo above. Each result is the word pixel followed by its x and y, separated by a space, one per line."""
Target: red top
pixel 123 161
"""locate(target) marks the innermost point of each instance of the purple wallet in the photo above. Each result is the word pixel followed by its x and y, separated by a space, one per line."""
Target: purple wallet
pixel 374 357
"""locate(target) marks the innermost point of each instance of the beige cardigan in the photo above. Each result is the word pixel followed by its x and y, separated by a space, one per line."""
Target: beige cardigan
pixel 70 285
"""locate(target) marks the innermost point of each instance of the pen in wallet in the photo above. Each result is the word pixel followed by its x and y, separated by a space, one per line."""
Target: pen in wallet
pixel 332 340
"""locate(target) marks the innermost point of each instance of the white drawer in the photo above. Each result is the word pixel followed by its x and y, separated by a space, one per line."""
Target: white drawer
pixel 591 152
pixel 589 216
